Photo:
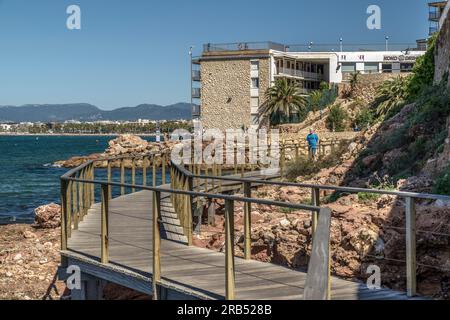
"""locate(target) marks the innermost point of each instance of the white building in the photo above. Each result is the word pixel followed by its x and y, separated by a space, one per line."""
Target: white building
pixel 223 73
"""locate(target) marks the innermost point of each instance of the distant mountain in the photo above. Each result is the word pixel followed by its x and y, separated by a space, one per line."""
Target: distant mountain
pixel 88 112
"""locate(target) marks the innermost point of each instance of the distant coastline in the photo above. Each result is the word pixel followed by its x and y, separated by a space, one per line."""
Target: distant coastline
pixel 15 134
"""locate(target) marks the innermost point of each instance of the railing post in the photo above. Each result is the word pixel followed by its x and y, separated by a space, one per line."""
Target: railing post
pixel 122 176
pixel 220 181
pixel 92 190
pixel 156 243
pixel 318 278
pixel 163 169
pixel 154 170
pixel 315 199
pixel 282 161
pixel 64 214
pixel 75 209
pixel 109 179
pixel 80 198
pixel 410 246
pixel 69 211
pixel 144 171
pixel 133 174
pixel 86 196
pixel 229 250
pixel 188 208
pixel 247 222
pixel 105 224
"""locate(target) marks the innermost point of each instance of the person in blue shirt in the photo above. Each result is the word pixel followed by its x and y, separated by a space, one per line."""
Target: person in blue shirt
pixel 313 141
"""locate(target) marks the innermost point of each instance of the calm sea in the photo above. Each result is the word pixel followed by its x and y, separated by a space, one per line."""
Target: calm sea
pixel 27 177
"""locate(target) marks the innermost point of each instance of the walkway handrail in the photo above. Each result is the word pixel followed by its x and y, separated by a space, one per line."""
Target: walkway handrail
pixel 83 177
pixel 410 213
pixel 330 187
pixel 77 194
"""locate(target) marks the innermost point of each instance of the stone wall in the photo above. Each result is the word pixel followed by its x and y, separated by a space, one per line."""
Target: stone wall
pixel 442 58
pixel 226 92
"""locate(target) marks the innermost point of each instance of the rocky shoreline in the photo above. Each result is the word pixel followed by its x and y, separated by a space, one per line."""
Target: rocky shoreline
pixel 29 260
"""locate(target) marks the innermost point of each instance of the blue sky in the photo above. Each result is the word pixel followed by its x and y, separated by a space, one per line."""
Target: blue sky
pixel 136 51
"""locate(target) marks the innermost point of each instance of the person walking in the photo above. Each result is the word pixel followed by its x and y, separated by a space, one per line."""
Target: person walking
pixel 313 141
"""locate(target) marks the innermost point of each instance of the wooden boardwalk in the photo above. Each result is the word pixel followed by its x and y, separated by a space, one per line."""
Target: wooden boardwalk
pixel 191 271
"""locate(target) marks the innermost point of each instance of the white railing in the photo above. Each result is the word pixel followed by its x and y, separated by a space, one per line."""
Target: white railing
pixel 300 73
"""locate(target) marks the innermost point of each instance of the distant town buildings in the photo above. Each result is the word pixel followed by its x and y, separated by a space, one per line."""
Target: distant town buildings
pixel 93 127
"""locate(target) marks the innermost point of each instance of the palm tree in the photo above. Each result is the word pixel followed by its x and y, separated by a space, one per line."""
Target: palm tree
pixel 354 80
pixel 391 95
pixel 314 100
pixel 284 98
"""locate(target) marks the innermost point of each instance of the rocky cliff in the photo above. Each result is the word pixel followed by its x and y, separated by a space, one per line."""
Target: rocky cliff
pixel 442 54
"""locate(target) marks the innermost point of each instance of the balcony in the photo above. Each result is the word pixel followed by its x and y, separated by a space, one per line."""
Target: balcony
pixel 305 91
pixel 196 110
pixel 434 16
pixel 299 74
pixel 196 75
pixel 243 46
pixel 196 93
pixel 433 30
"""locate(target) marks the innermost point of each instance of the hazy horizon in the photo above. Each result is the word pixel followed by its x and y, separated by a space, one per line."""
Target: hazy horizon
pixel 134 52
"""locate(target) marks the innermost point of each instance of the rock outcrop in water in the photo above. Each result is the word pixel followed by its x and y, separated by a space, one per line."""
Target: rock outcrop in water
pixel 124 145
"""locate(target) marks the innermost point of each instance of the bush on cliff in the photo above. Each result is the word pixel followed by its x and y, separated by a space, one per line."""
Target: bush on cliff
pixel 336 120
pixel 423 71
pixel 442 185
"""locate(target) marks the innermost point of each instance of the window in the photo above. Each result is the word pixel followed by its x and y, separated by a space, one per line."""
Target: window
pixel 406 67
pixel 387 68
pixel 254 65
pixel 371 67
pixel 255 83
pixel 348 67
pixel 254 102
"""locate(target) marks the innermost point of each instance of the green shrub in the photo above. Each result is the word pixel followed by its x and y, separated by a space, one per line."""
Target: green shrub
pixel 366 197
pixel 423 72
pixel 364 118
pixel 303 167
pixel 391 97
pixel 336 120
pixel 442 185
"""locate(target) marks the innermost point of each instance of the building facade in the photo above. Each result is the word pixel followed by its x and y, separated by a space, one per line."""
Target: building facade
pixel 232 79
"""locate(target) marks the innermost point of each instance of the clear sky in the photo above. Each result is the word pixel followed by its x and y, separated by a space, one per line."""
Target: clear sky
pixel 136 51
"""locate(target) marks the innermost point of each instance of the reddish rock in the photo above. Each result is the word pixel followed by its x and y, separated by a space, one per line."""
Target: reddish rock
pixel 48 216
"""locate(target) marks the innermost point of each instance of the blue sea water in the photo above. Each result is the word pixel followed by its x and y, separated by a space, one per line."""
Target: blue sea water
pixel 27 177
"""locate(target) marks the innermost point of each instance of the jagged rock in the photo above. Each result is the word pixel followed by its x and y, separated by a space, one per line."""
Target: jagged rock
pixel 48 216
pixel 391 156
pixel 442 204
pixel 285 223
pixel 369 161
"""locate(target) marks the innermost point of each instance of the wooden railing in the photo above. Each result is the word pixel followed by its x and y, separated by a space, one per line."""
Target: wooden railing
pixel 409 198
pixel 78 188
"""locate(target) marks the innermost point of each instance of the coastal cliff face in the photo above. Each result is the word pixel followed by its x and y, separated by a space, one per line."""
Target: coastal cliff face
pixel 442 57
